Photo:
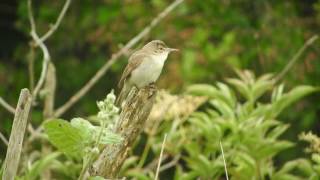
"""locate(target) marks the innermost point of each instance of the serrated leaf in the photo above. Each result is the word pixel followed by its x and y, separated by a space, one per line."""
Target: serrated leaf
pixel 223 108
pixel 260 87
pixel 289 98
pixel 241 87
pixel 277 131
pixel 277 93
pixel 270 148
pixel 66 138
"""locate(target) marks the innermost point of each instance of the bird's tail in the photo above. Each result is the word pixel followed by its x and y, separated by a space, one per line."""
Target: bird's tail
pixel 123 95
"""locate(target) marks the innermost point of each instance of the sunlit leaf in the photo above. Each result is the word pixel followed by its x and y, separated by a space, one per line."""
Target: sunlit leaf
pixel 66 138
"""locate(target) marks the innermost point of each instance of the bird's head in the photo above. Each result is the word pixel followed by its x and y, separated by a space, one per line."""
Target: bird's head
pixel 158 47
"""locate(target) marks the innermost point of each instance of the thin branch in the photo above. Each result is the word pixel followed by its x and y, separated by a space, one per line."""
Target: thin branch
pixel 170 164
pixel 57 23
pixel 30 58
pixel 296 57
pixel 7 106
pixel 17 134
pixel 50 88
pixel 46 55
pixel 161 153
pixel 224 161
pixel 99 74
pixel 4 139
pixel 40 42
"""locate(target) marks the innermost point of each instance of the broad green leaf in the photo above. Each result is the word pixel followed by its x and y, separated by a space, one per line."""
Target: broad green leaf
pixel 84 126
pixel 68 139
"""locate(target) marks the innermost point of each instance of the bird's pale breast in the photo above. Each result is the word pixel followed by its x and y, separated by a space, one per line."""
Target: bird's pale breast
pixel 148 71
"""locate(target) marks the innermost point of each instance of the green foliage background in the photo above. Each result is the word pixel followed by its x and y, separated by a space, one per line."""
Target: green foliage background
pixel 214 38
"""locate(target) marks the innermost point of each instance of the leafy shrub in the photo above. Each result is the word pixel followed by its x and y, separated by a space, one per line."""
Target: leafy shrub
pixel 243 117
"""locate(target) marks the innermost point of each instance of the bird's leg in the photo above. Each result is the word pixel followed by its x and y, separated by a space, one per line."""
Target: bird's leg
pixel 152 88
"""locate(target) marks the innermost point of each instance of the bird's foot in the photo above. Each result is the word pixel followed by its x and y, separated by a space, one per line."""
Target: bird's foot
pixel 152 88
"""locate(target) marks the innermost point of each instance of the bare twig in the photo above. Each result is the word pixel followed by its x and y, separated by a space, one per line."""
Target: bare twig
pixel 4 139
pixel 17 133
pixel 78 95
pixel 296 57
pixel 224 161
pixel 31 68
pixel 54 27
pixel 46 55
pixel 40 42
pixel 160 158
pixel 171 163
pixel 7 106
pixel 50 88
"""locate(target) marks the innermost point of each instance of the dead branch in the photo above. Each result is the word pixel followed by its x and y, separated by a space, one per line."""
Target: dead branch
pixel 17 133
pixel 99 74
pixel 50 88
pixel 131 122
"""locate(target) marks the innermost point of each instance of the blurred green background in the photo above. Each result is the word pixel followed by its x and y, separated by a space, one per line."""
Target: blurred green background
pixel 214 37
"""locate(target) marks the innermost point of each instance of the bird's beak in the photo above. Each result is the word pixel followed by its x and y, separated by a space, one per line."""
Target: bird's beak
pixel 172 49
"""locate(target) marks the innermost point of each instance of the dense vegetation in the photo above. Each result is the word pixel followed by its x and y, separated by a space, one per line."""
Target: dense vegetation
pixel 258 119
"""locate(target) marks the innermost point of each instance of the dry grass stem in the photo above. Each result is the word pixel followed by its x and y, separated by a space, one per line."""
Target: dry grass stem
pixel 160 158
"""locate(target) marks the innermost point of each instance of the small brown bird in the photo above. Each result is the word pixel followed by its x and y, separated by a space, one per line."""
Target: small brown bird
pixel 144 67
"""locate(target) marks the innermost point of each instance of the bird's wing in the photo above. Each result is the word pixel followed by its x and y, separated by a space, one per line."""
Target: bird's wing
pixel 133 62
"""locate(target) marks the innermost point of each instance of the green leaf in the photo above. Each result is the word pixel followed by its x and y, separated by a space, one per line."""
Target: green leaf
pixel 223 94
pixel 40 165
pixel 107 137
pixel 223 108
pixel 260 87
pixel 68 139
pixel 241 87
pixel 96 178
pixel 84 126
pixel 270 148
pixel 289 98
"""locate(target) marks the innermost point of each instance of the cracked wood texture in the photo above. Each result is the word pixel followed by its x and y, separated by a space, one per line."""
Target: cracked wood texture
pixel 16 137
pixel 131 122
